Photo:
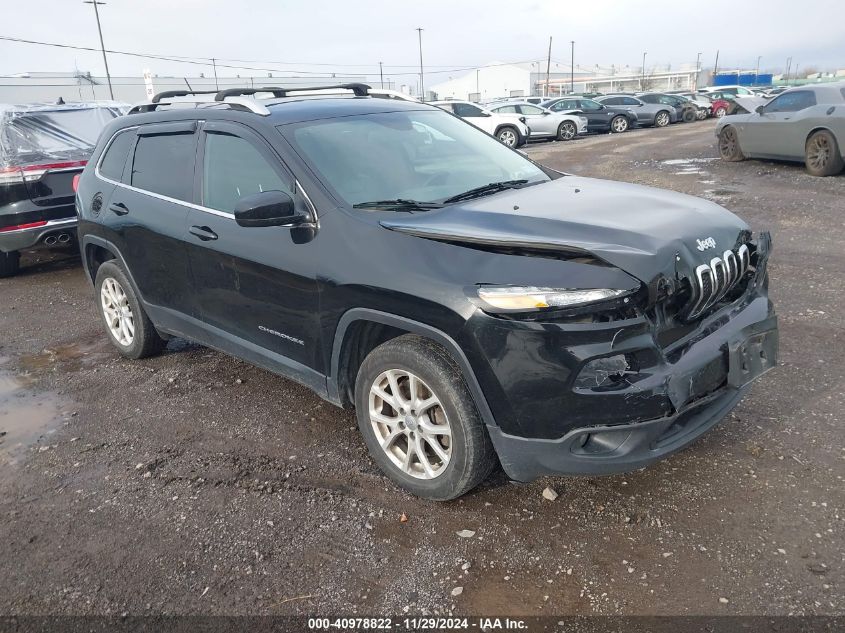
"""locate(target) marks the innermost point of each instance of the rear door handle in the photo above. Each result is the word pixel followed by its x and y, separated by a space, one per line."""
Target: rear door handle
pixel 203 232
pixel 118 208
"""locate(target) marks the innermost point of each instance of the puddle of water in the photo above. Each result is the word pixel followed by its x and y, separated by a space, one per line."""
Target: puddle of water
pixel 25 417
pixel 73 355
pixel 687 161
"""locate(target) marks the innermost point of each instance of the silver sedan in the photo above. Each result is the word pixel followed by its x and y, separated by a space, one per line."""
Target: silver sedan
pixel 542 122
pixel 803 124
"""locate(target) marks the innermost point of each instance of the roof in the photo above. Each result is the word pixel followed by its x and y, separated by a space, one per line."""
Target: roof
pixel 311 108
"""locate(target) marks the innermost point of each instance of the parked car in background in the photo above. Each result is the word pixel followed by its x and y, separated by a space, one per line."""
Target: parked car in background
pixel 715 106
pixel 473 307
pixel 804 124
pixel 682 109
pixel 702 103
pixel 42 148
pixel 512 132
pixel 600 117
pixel 656 114
pixel 736 91
pixel 542 122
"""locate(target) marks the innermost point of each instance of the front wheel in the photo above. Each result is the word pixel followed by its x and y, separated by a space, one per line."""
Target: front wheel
pixel 821 155
pixel 128 326
pixel 661 119
pixel 508 136
pixel 566 131
pixel 729 145
pixel 690 115
pixel 419 421
pixel 619 124
pixel 701 114
pixel 10 263
pixel 720 112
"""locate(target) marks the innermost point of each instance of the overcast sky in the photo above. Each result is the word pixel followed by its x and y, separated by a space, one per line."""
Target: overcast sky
pixel 353 36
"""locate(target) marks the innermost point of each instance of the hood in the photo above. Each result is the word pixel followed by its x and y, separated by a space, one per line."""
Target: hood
pixel 649 233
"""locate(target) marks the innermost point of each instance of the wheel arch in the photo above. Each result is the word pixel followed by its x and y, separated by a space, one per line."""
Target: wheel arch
pixel 96 251
pixel 371 328
pixel 824 128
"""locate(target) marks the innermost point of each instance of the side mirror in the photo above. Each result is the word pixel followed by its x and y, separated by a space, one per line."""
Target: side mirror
pixel 268 208
pixel 760 109
pixel 546 113
pixel 486 114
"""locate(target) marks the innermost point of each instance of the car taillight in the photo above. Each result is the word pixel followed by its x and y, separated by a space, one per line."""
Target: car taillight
pixel 20 227
pixel 76 182
pixel 31 173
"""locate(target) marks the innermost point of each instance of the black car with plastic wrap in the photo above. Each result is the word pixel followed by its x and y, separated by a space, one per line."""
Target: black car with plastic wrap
pixel 466 301
pixel 42 148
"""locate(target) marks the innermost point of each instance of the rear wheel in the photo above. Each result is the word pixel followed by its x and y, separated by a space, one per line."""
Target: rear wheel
pixel 419 421
pixel 821 155
pixel 720 112
pixel 661 119
pixel 729 145
pixel 619 124
pixel 567 131
pixel 508 136
pixel 129 327
pixel 701 114
pixel 10 263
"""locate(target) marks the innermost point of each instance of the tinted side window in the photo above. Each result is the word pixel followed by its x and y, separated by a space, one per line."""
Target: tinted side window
pixel 234 168
pixel 612 101
pixel 630 101
pixel 650 99
pixel 792 101
pixel 164 164
pixel 588 105
pixel 113 161
pixel 466 110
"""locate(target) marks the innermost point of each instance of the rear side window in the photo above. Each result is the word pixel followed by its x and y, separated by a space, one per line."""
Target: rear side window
pixel 506 110
pixel 792 101
pixel 113 161
pixel 612 101
pixel 235 168
pixel 164 164
pixel 466 110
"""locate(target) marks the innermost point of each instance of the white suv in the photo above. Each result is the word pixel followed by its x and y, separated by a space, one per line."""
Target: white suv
pixel 511 131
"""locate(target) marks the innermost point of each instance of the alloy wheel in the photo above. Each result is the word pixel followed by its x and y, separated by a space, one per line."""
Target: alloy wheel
pixel 567 131
pixel 117 312
pixel 410 424
pixel 620 124
pixel 819 152
pixel 507 137
pixel 727 142
pixel 662 119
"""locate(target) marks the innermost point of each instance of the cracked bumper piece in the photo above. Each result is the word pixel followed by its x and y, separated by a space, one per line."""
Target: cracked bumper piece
pixel 604 450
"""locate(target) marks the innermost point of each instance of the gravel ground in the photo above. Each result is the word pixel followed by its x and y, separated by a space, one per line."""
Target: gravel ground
pixel 193 483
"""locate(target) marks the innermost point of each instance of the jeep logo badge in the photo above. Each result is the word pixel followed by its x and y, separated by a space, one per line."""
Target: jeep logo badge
pixel 707 242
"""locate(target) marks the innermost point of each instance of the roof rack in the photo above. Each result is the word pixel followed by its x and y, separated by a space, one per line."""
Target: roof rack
pixel 239 98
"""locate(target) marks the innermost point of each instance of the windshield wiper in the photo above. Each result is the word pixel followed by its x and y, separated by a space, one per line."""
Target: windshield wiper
pixel 399 204
pixel 483 190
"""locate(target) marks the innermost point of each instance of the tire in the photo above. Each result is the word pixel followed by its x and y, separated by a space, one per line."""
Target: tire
pixel 701 114
pixel 662 119
pixel 508 135
pixel 128 326
pixel 690 115
pixel 720 112
pixel 821 154
pixel 10 263
pixel 729 148
pixel 619 124
pixel 567 131
pixel 468 450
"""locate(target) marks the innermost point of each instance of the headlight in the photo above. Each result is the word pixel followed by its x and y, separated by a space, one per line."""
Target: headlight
pixel 521 298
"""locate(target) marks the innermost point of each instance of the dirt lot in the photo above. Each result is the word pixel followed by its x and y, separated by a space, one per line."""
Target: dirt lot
pixel 195 483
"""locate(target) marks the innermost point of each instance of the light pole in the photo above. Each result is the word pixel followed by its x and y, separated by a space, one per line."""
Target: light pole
pixel 642 77
pixel 102 46
pixel 548 68
pixel 697 71
pixel 422 86
pixel 572 68
pixel 757 70
pixel 381 74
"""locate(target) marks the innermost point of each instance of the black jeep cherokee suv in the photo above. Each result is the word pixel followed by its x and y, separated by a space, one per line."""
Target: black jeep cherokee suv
pixel 467 302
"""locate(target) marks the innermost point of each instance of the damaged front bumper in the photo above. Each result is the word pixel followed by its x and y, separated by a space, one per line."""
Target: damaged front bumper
pixel 600 398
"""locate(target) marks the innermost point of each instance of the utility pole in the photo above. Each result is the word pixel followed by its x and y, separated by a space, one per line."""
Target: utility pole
pixel 697 71
pixel 548 68
pixel 381 74
pixel 757 70
pixel 478 83
pixel 572 68
pixel 214 64
pixel 422 86
pixel 716 66
pixel 788 67
pixel 642 77
pixel 102 46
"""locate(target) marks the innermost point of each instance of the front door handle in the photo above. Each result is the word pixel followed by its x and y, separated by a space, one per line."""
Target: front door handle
pixel 203 232
pixel 118 208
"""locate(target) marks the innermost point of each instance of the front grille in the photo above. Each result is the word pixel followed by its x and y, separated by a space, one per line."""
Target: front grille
pixel 713 281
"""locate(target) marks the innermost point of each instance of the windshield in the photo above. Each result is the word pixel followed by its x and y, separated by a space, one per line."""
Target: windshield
pixel 422 155
pixel 37 134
